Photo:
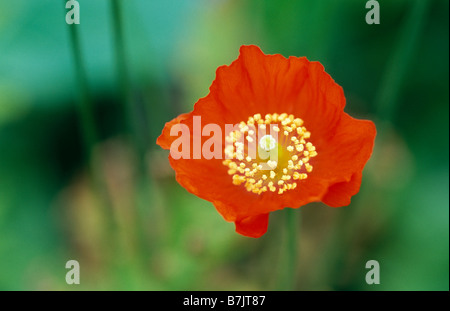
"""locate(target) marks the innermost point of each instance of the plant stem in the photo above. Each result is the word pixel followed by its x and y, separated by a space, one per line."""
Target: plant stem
pixel 386 100
pixel 123 75
pixel 133 129
pixel 291 259
pixel 89 133
pixel 85 105
pixel 131 116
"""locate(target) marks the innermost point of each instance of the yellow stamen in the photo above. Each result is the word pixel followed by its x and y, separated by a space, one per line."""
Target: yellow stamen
pixel 275 175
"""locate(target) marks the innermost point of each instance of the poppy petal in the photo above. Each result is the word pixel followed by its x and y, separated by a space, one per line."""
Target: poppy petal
pixel 165 139
pixel 259 84
pixel 253 226
pixel 340 194
pixel 347 151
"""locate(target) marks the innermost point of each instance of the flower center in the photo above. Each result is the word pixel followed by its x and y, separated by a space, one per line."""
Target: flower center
pixel 277 162
pixel 267 142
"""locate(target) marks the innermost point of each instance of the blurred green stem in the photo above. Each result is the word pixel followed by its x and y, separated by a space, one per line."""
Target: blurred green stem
pixel 122 66
pixel 131 115
pixel 132 119
pixel 290 268
pixel 85 106
pixel 89 133
pixel 387 97
pixel 123 77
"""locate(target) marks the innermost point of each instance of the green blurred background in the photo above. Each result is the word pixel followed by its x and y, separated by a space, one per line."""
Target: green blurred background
pixel 82 178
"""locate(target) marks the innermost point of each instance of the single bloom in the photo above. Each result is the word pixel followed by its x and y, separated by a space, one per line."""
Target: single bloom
pixel 291 142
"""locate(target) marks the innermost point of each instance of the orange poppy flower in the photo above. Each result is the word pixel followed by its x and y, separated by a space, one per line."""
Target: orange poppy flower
pixel 299 109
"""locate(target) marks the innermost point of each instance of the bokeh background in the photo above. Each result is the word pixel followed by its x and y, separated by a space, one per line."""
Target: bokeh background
pixel 82 178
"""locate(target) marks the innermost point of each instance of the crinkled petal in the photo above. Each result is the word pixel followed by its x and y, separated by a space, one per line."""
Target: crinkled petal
pixel 253 226
pixel 340 194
